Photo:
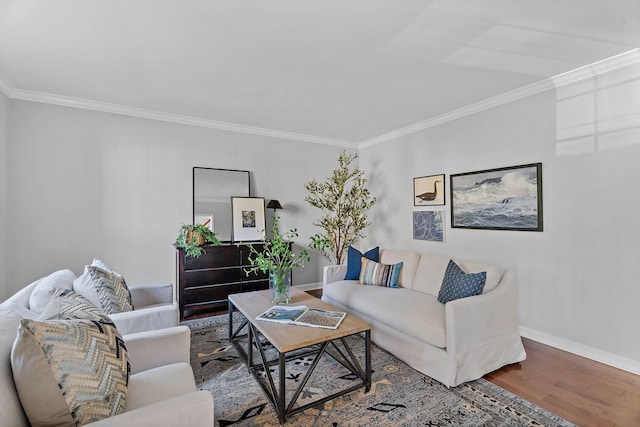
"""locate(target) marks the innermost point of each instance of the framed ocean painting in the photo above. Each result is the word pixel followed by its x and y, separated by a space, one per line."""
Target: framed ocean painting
pixel 498 199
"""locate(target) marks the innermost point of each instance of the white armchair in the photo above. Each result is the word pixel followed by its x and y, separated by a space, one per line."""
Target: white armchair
pixel 153 308
pixel 162 389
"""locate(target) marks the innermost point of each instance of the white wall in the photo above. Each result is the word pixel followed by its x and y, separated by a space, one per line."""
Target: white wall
pixel 578 278
pixel 4 105
pixel 86 184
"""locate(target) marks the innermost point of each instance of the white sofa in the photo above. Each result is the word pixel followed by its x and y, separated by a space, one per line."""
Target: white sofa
pixel 454 342
pixel 153 304
pixel 161 389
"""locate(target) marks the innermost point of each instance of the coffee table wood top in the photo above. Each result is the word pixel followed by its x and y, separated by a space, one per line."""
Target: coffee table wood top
pixel 285 337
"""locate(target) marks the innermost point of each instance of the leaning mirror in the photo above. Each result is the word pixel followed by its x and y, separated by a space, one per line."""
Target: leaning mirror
pixel 212 191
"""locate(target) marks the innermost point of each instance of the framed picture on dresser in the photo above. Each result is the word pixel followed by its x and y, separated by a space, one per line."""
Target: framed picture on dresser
pixel 248 219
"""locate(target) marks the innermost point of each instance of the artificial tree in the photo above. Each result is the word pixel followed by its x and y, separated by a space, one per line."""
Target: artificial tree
pixel 344 201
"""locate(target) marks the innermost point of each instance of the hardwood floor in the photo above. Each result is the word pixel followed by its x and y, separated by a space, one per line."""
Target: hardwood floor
pixel 585 392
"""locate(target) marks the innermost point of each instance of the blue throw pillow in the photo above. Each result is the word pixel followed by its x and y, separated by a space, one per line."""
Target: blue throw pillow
pixel 354 262
pixel 458 284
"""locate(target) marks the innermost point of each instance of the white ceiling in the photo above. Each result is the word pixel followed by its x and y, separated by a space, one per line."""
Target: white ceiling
pixel 342 71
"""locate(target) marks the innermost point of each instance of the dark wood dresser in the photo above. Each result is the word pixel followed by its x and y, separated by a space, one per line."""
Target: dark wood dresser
pixel 204 283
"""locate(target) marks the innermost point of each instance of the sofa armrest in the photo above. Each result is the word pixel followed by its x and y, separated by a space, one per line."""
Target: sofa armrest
pixel 333 273
pixel 152 294
pixel 189 410
pixel 152 349
pixel 147 319
pixel 481 319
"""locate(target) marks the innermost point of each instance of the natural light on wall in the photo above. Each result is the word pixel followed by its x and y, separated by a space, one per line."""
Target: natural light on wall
pixel 600 110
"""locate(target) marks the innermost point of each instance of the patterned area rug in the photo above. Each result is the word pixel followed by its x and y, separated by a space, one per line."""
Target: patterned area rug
pixel 399 396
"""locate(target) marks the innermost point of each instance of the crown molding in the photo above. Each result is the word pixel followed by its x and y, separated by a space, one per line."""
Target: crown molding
pixel 47 98
pixel 579 74
pixel 467 110
pixel 5 86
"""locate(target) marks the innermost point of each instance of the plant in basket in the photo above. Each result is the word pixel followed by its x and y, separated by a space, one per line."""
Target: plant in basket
pixel 191 237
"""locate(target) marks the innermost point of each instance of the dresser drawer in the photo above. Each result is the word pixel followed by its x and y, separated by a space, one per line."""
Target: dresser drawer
pixel 214 257
pixel 205 294
pixel 198 278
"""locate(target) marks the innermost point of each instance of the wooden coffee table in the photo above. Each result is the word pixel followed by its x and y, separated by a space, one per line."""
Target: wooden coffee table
pixel 292 342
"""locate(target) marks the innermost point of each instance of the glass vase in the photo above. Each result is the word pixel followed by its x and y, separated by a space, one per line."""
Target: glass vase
pixel 280 286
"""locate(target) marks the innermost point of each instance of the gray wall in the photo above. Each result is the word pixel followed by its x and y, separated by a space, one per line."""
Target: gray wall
pixel 4 106
pixel 87 184
pixel 578 278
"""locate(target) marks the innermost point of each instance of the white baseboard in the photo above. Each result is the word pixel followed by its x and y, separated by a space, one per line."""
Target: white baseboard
pixel 309 286
pixel 601 356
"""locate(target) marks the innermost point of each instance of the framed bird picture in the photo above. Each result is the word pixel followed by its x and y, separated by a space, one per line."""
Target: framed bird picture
pixel 428 190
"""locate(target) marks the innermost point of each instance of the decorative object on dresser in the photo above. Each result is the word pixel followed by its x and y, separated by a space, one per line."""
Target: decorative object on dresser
pixel 204 283
pixel 212 191
pixel 191 238
pixel 274 204
pixel 248 219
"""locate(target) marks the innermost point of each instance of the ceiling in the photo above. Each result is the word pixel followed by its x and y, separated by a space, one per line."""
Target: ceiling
pixel 332 71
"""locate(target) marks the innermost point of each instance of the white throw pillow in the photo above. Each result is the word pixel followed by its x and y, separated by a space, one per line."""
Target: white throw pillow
pixel 41 295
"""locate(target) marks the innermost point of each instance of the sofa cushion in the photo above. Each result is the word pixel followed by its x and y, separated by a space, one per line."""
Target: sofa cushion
pixel 41 294
pixel 69 372
pixel 104 288
pixel 374 273
pixel 494 274
pixel 409 262
pixel 457 284
pixel 69 305
pixel 429 274
pixel 418 315
pixel 354 261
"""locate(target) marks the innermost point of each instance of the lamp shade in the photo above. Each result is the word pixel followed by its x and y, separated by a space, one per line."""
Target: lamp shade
pixel 274 204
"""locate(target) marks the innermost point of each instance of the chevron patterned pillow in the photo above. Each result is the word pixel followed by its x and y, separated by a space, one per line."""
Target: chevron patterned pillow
pixel 70 372
pixel 104 288
pixel 68 305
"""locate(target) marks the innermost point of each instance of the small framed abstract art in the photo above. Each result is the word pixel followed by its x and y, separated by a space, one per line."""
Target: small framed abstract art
pixel 498 199
pixel 428 225
pixel 428 190
pixel 247 219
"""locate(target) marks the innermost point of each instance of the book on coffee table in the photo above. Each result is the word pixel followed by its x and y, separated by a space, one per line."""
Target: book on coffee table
pixel 304 316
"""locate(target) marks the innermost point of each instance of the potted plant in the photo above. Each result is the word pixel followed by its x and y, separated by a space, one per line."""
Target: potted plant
pixel 191 238
pixel 278 259
pixel 344 201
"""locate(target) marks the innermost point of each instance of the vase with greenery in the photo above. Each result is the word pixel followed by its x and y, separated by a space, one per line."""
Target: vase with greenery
pixel 277 259
pixel 344 201
pixel 191 237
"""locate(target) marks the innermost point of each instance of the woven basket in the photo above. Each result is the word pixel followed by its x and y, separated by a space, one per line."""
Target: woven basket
pixel 195 237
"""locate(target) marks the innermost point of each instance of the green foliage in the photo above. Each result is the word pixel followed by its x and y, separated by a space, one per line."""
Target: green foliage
pixel 344 201
pixel 276 254
pixel 188 239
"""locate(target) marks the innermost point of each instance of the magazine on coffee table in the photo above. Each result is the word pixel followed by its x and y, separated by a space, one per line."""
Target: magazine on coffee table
pixel 303 315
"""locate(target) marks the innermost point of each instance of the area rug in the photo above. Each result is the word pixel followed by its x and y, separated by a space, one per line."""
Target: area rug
pixel 399 396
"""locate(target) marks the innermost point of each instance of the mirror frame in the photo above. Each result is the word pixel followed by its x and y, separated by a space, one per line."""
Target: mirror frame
pixel 221 192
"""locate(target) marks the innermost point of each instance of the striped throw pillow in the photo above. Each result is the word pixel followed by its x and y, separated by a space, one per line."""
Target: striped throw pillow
pixel 374 273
